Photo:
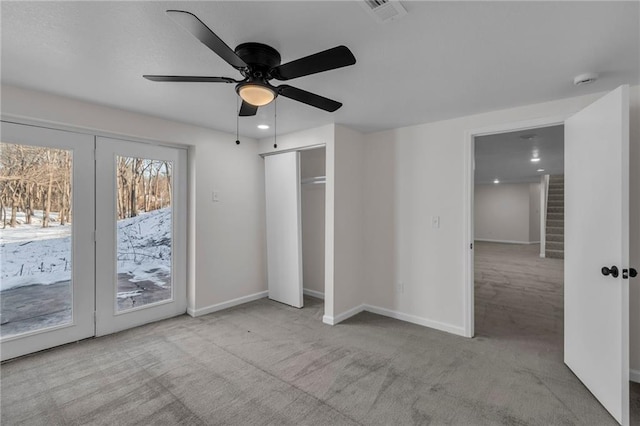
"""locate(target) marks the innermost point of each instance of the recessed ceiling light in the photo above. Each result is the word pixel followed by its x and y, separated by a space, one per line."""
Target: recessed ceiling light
pixel 540 170
pixel 496 181
pixel 263 126
pixel 585 78
pixel 535 159
pixel 529 137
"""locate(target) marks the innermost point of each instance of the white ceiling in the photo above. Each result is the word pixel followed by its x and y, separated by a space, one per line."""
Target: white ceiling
pixel 442 60
pixel 507 156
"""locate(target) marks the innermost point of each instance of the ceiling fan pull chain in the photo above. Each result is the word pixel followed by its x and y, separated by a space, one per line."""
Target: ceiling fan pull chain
pixel 275 121
pixel 237 120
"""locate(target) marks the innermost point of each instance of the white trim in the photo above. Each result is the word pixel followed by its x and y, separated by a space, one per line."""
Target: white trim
pixel 313 293
pixel 486 240
pixel 469 232
pixel 425 322
pixel 87 130
pixel 468 239
pixel 634 375
pixel 333 320
pixel 327 319
pixel 297 149
pixel 228 304
pixel 453 329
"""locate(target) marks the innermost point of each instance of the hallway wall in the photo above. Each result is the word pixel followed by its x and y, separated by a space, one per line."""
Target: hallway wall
pixel 506 212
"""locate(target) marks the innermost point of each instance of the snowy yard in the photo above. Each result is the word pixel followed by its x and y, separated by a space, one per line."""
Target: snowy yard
pixel 32 258
pixel 34 255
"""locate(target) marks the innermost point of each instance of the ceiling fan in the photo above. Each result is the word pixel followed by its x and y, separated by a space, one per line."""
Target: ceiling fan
pixel 258 64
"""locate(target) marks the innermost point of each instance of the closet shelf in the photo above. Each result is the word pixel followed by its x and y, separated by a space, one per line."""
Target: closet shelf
pixel 314 180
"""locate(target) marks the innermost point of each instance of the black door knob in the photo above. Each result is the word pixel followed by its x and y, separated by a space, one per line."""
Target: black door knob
pixel 633 273
pixel 613 271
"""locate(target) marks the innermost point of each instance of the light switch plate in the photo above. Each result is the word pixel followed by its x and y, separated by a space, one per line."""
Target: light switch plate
pixel 215 196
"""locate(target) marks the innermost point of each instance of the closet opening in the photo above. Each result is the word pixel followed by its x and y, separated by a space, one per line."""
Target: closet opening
pixel 313 195
pixel 295 217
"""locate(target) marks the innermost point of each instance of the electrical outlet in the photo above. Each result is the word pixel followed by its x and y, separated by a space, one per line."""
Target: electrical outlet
pixel 435 221
pixel 400 287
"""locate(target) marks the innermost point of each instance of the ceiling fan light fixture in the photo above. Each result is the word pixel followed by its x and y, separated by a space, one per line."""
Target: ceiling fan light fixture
pixel 256 94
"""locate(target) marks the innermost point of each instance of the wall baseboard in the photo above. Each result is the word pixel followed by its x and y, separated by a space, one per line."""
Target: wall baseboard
pixel 486 240
pixel 328 320
pixel 313 293
pixel 416 320
pixel 343 316
pixel 634 375
pixel 396 315
pixel 228 304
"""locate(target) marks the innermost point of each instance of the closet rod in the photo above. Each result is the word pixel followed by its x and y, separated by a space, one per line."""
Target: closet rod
pixel 302 148
pixel 312 180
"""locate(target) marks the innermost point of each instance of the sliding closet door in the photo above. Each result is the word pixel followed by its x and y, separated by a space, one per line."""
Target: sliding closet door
pixel 284 248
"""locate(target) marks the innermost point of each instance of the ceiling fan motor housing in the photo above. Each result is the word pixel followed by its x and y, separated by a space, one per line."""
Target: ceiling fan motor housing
pixel 260 58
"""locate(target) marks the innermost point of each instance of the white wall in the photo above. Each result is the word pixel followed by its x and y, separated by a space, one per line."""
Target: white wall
pixel 501 212
pixel 349 230
pixel 413 173
pixel 312 164
pixel 534 212
pixel 226 239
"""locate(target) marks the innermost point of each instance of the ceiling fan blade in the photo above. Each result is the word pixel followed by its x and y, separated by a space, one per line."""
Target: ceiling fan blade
pixel 247 110
pixel 189 79
pixel 330 59
pixel 199 30
pixel 308 98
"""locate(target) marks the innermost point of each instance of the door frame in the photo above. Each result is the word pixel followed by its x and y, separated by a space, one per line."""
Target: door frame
pixel 108 318
pixel 82 324
pixel 469 182
pixel 190 197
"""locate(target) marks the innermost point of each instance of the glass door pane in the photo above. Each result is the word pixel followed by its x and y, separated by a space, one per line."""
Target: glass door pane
pixel 141 233
pixel 35 238
pixel 47 265
pixel 144 231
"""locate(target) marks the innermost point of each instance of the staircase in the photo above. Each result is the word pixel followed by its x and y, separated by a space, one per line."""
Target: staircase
pixel 554 246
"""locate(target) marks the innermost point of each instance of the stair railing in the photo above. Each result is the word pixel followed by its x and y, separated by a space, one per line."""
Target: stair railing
pixel 544 200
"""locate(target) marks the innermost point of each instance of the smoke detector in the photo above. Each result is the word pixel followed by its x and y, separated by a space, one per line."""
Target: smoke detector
pixel 585 78
pixel 384 10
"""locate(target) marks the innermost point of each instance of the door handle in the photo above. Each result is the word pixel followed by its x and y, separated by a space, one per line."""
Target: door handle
pixel 631 272
pixel 613 271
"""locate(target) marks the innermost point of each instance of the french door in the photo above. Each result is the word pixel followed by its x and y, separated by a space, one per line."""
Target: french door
pixel 140 234
pixel 46 238
pixel 75 265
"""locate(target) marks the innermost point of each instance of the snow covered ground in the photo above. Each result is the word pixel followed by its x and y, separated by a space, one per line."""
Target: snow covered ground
pixel 144 247
pixel 30 254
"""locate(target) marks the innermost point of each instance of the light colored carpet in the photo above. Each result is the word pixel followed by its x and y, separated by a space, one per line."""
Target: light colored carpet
pixel 266 363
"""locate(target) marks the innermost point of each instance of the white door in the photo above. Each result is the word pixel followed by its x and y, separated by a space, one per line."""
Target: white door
pixel 140 234
pixel 46 238
pixel 284 230
pixel 596 316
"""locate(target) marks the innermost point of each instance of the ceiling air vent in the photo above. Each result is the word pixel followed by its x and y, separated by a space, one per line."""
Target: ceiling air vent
pixel 384 10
